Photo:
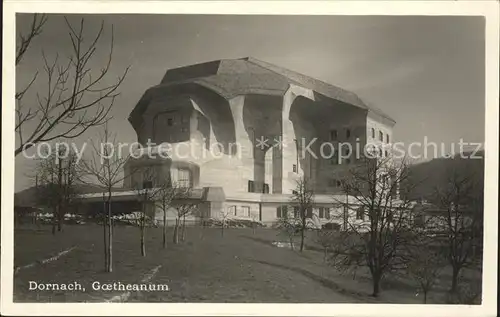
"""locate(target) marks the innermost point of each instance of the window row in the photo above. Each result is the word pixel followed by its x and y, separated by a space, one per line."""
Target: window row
pixel 253 188
pixel 381 136
pixel 243 211
pixel 334 135
pixel 285 211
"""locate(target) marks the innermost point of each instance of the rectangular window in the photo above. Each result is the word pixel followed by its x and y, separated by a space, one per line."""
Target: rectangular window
pixel 266 189
pixel 373 133
pixel 184 129
pixel 360 213
pixel 296 212
pixel 381 136
pixel 387 139
pixel 245 211
pixel 147 184
pixel 327 213
pixel 170 122
pixel 333 135
pixel 184 178
pixel 309 212
pixel 321 212
pixel 347 133
pixel 231 211
pixel 294 168
pixel 251 186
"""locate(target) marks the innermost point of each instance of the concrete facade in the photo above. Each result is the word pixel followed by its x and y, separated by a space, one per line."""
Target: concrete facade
pixel 208 119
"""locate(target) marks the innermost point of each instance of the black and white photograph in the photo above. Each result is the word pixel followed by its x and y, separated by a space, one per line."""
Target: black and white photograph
pixel 250 158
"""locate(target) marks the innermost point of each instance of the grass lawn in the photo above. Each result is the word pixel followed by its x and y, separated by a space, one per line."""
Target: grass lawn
pixel 237 267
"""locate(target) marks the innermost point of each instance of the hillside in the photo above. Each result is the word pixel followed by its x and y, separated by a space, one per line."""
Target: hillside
pixel 428 176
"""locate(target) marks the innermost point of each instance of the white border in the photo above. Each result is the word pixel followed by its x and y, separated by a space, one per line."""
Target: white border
pixel 488 9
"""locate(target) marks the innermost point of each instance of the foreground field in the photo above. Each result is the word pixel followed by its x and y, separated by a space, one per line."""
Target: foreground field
pixel 238 267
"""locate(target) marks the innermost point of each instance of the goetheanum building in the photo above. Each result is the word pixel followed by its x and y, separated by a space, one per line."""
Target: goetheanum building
pixel 240 132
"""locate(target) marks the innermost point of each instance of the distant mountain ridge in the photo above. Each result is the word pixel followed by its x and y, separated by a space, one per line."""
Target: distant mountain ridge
pixel 428 176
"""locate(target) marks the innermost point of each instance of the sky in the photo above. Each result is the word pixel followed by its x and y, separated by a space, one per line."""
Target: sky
pixel 425 72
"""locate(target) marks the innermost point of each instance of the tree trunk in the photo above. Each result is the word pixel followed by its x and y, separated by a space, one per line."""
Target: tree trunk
pixel 454 279
pixel 105 240
pixel 425 297
pixel 164 228
pixel 54 219
pixel 60 219
pixel 202 222
pixel 302 234
pixel 183 236
pixel 376 284
pixel 59 198
pixel 110 238
pixel 176 231
pixel 222 228
pixel 143 226
pixel 143 244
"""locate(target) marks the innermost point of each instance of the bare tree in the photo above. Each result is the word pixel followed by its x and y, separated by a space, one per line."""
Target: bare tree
pixel 303 199
pixel 164 197
pixel 24 40
pixel 224 215
pixel 56 177
pixel 146 192
pixel 375 238
pixel 326 238
pixel 424 264
pixel 106 167
pixel 75 99
pixel 184 206
pixel 466 293
pixel 289 225
pixel 461 219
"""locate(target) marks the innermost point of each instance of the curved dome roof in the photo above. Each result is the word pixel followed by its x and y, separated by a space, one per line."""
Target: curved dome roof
pixel 233 77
